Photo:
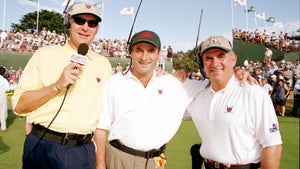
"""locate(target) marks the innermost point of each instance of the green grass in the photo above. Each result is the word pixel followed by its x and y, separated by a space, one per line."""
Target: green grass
pixel 178 149
pixel 11 143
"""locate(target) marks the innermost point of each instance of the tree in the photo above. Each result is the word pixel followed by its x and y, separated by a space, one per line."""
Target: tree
pixel 187 61
pixel 49 19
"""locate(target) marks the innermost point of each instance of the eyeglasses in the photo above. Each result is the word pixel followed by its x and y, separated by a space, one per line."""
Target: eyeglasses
pixel 81 21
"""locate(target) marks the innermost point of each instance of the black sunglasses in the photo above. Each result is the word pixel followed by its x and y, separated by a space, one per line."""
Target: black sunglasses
pixel 81 21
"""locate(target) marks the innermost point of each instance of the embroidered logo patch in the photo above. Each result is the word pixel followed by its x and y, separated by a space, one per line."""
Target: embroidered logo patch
pixel 274 128
pixel 228 109
pixel 160 91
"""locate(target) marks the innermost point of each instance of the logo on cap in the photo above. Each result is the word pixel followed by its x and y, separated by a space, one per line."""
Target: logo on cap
pixel 88 6
pixel 213 41
pixel 148 35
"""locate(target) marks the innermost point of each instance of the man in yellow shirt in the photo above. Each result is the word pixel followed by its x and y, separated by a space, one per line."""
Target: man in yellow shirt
pixel 55 95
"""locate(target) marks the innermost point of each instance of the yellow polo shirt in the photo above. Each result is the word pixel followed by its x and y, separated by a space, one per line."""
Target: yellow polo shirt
pixel 81 110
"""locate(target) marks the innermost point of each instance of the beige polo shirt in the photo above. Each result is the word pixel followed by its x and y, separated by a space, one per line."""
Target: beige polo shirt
pixel 81 110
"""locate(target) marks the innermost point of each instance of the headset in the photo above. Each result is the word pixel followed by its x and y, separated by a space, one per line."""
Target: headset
pixel 201 64
pixel 67 15
pixel 129 43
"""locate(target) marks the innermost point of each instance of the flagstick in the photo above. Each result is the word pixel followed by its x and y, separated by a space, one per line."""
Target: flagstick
pixel 3 20
pixel 246 16
pixel 37 17
pixel 102 15
pixel 232 25
pixel 255 20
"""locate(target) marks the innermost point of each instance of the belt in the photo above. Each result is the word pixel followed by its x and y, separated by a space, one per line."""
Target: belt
pixel 60 138
pixel 210 164
pixel 145 154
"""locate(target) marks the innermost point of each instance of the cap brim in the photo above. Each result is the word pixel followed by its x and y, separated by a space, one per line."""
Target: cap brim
pixel 147 41
pixel 218 47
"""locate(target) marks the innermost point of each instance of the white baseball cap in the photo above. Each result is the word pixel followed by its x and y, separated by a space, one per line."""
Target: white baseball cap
pixel 84 8
pixel 216 42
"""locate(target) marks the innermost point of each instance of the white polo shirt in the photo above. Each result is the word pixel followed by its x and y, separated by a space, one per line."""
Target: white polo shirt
pixel 145 118
pixel 236 123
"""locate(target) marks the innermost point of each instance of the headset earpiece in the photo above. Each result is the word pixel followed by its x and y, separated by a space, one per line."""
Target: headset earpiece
pixel 67 21
pixel 201 65
pixel 200 57
pixel 67 17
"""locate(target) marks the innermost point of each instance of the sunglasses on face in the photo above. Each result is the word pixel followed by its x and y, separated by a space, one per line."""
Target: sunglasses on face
pixel 81 21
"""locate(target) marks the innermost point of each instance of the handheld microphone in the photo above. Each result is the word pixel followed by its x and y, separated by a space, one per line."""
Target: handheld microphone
pixel 80 57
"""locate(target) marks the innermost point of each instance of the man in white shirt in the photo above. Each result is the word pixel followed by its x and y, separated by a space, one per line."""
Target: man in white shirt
pixel 238 125
pixel 268 56
pixel 3 36
pixel 142 112
pixel 4 87
pixel 296 92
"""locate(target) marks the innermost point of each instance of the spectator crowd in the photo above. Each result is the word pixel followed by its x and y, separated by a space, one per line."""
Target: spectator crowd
pixel 281 41
pixel 268 74
pixel 22 41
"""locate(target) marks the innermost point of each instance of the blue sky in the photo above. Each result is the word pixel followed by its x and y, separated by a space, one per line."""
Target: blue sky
pixel 176 22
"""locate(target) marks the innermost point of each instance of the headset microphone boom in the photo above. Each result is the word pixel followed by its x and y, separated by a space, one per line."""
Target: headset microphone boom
pixel 129 37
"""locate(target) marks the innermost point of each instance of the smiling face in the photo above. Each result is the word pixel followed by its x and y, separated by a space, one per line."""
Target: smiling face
pixel 218 65
pixel 82 33
pixel 144 56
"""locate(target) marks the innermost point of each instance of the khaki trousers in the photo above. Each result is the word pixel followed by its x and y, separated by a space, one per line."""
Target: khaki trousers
pixel 117 159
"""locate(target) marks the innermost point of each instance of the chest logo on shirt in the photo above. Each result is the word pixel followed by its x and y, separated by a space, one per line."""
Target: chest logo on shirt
pixel 228 109
pixel 98 79
pixel 160 91
pixel 274 128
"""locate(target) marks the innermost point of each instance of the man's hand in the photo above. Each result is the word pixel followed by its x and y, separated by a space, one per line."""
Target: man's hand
pixel 160 72
pixel 69 75
pixel 244 76
pixel 181 75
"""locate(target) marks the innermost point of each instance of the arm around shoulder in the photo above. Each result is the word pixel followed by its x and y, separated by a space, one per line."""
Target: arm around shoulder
pixel 271 157
pixel 100 140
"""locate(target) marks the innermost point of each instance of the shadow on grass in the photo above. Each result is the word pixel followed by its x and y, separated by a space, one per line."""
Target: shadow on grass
pixel 10 118
pixel 9 121
pixel 4 148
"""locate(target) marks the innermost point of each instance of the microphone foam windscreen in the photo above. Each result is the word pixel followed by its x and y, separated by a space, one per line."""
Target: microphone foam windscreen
pixel 83 49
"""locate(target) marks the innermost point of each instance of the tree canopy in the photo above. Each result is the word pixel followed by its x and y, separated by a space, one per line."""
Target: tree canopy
pixel 187 61
pixel 47 19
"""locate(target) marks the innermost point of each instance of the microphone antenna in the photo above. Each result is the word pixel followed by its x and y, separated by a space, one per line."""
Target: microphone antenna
pixel 196 46
pixel 137 11
pixel 65 31
pixel 196 51
pixel 129 37
pixel 65 10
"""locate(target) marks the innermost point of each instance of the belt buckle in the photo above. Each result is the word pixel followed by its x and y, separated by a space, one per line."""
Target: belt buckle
pixel 221 165
pixel 84 139
pixel 216 164
pixel 64 139
pixel 227 166
pixel 149 154
pixel 152 153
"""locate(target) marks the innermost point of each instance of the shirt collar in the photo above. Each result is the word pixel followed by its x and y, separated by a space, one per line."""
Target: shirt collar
pixel 129 75
pixel 229 84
